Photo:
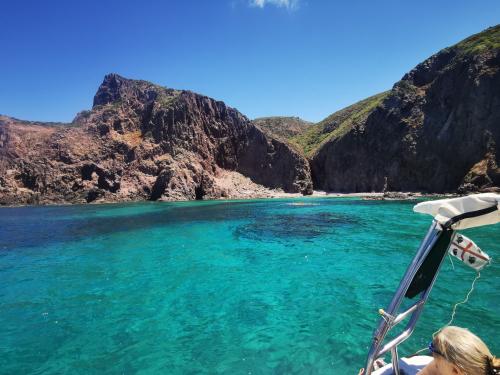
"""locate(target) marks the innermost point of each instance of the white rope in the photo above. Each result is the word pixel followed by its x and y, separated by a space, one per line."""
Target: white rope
pixel 419 351
pixel 454 311
pixel 451 261
pixel 460 303
pixel 465 300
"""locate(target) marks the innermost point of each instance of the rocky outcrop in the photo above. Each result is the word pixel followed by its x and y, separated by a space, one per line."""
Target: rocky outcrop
pixel 142 141
pixel 437 130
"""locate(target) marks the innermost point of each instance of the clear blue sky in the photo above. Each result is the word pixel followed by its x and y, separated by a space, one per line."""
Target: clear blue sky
pixel 265 57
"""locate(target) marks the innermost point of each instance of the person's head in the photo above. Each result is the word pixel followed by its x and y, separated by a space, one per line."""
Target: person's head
pixel 457 351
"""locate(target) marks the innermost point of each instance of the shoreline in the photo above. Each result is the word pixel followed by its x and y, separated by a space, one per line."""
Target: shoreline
pixel 270 194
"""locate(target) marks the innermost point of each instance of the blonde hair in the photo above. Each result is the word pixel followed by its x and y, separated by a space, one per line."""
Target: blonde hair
pixel 467 351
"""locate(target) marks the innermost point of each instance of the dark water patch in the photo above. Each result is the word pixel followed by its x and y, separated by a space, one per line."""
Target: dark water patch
pixel 53 224
pixel 271 219
pixel 48 225
pixel 293 226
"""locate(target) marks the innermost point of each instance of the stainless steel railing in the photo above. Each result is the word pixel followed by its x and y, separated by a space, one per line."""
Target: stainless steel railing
pixel 392 317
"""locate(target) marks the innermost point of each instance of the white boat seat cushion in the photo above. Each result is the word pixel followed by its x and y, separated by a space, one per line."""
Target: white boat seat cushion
pixel 444 209
pixel 407 366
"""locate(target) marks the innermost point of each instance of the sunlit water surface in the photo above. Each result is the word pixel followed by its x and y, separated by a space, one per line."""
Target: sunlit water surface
pixel 248 287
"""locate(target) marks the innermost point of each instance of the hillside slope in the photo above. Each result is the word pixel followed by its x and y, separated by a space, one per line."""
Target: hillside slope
pixel 282 127
pixel 335 125
pixel 437 130
pixel 142 141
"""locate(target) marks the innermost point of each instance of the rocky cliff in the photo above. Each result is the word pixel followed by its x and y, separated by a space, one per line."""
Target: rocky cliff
pixel 142 141
pixel 437 130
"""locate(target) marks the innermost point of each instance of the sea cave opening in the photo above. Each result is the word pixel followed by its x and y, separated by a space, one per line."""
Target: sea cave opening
pixel 199 193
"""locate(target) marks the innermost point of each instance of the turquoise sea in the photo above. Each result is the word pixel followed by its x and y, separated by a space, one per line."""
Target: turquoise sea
pixel 241 287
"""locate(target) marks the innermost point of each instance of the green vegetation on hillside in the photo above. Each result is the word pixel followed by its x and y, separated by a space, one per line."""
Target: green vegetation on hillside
pixel 336 125
pixel 282 127
pixel 486 40
pixel 167 97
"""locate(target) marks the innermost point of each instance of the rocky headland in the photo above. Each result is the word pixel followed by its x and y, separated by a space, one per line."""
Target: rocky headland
pixel 141 141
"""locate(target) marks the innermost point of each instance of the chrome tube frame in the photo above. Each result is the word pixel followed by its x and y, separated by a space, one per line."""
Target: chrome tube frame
pixel 395 359
pixel 390 318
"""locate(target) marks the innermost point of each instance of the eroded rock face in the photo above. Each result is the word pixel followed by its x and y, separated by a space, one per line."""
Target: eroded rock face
pixel 142 141
pixel 438 130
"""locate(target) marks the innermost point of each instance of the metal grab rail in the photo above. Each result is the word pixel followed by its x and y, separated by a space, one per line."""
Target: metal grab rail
pixel 391 318
pixel 403 315
pixel 408 330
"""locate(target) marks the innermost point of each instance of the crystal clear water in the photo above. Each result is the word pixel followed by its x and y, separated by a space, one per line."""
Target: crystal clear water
pixel 247 287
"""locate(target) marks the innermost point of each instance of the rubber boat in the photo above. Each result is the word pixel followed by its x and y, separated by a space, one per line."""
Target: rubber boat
pixel 442 238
